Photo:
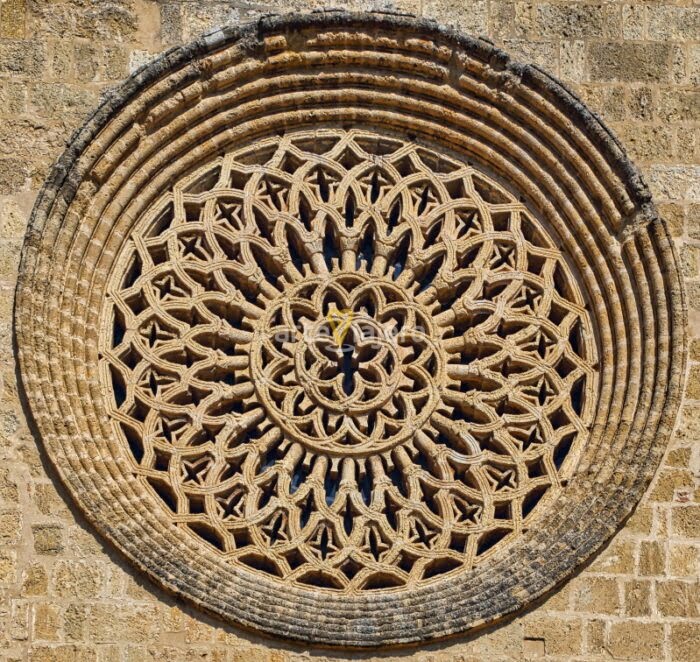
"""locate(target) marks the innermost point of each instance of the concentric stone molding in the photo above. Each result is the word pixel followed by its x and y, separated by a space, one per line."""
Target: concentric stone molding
pixel 348 329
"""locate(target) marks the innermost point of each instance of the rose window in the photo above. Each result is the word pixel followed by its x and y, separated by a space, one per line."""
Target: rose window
pixel 355 363
pixel 348 329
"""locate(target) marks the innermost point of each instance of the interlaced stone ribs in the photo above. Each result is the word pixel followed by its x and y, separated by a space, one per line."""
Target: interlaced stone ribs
pixel 347 360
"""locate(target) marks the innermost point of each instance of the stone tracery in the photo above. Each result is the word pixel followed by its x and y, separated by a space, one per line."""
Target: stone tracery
pixel 450 404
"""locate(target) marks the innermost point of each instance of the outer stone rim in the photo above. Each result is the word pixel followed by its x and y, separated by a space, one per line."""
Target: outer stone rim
pixel 381 621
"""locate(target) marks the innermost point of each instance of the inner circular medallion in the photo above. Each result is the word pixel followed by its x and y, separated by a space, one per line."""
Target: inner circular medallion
pixel 347 362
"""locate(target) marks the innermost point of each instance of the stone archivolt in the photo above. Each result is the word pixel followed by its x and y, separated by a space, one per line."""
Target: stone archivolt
pixel 351 316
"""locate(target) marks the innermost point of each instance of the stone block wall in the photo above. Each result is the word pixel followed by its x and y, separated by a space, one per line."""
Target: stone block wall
pixel 64 595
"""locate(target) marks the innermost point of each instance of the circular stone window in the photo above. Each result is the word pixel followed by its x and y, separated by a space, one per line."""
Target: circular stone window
pixel 348 329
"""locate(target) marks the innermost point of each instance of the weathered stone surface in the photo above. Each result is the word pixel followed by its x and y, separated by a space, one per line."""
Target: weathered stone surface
pixel 77 579
pixel 379 448
pixel 542 53
pixel 633 21
pixel 12 19
pixel 48 538
pixel 619 61
pixel 652 558
pixel 8 567
pixel 560 636
pixel 685 521
pixel 617 558
pixel 598 595
pixel 65 653
pixel 22 58
pixel 648 142
pixel 638 598
pixel 471 17
pixel 667 23
pixel 685 639
pixel 10 526
pixel 13 98
pixel 42 43
pixel 674 215
pixel 676 182
pixel 47 622
pixel 634 640
pixel 685 560
pixel 34 580
pixel 678 598
pixel 576 21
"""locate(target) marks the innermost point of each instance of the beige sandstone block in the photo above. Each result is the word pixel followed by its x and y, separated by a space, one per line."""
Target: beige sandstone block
pixel 12 19
pixel 10 527
pixel 693 385
pixel 103 624
pixel 676 105
pixel 502 19
pixel 675 182
pixel 668 23
pixel 618 557
pixel 648 142
pixel 74 621
pixel 572 61
pixel 684 560
pixel 140 623
pixel 77 579
pixel 543 53
pixel 49 502
pixel 638 598
pixel 652 558
pixel 8 488
pixel 681 457
pixel 641 520
pixel 685 642
pixel 19 612
pixel 48 538
pixel 596 594
pixel 8 567
pixel 629 62
pixel 561 636
pixel 594 634
pixel 693 220
pixel 65 653
pixel 13 97
pixel 668 483
pixel 633 21
pixel 678 598
pixel 634 640
pixel 47 622
pixel 608 100
pixel 685 521
pixel 35 581
pixel 471 16
pixel 575 21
